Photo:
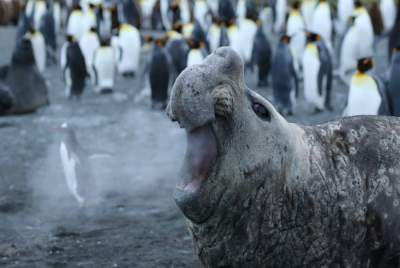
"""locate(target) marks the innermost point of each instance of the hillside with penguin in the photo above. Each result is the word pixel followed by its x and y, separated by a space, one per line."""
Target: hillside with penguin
pixel 88 151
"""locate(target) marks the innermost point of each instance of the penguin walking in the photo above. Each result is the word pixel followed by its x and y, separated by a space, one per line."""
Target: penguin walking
pixel 295 29
pixel 394 83
pixel 39 48
pixel 322 23
pixel 261 56
pixel 307 11
pixel 317 72
pixel 128 43
pixel 74 24
pixel 284 77
pixel 76 167
pixel 104 68
pixel 74 71
pixel 89 43
pixel 367 94
pixel 159 75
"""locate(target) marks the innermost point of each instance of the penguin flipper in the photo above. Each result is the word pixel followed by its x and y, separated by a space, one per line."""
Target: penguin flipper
pixel 385 108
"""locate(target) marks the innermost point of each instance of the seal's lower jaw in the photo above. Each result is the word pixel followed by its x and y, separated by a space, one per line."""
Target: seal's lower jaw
pixel 200 158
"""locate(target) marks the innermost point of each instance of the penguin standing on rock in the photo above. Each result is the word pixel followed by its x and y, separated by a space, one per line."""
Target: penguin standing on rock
pixel 159 75
pixel 394 83
pixel 75 72
pixel 104 68
pixel 317 72
pixel 367 95
pixel 76 166
pixel 284 77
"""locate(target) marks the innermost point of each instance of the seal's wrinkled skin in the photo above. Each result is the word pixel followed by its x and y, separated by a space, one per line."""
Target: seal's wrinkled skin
pixel 261 192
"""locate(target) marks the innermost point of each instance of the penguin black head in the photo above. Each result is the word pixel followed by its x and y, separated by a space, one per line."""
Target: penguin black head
pixel 92 6
pixel 76 7
pixel 70 38
pixel 365 64
pixel 194 43
pixel 177 27
pixel 148 39
pixel 160 42
pixel 296 5
pixel 104 42
pixel 23 53
pixel 358 4
pixel 31 29
pixel 312 37
pixel 174 6
pixel 93 29
pixel 285 39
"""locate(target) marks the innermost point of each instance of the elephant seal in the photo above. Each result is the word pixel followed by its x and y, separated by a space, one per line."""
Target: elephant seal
pixel 261 192
pixel 24 80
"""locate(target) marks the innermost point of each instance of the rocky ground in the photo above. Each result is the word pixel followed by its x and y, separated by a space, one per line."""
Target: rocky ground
pixel 136 223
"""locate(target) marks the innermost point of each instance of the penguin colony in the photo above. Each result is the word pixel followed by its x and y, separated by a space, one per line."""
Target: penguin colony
pixel 296 47
pixel 317 41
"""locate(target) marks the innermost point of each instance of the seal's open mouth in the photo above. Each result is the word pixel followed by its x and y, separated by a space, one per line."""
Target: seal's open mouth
pixel 200 157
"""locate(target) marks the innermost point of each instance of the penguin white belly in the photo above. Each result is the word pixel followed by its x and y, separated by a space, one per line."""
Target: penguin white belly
pixel 388 11
pixel 39 50
pixel 307 10
pixel 349 51
pixel 104 66
pixel 364 97
pixel 322 23
pixel 69 167
pixel 195 56
pixel 235 41
pixel 185 11
pixel 345 10
pixel 281 6
pixel 295 29
pixel 200 13
pixel 366 35
pixel 247 31
pixel 311 66
pixel 29 7
pixel 241 10
pixel 57 16
pixel 214 36
pixel 89 21
pixel 74 26
pixel 129 42
pixel 63 56
pixel 40 9
pixel 213 5
pixel 147 7
pixel 88 44
pixel 164 6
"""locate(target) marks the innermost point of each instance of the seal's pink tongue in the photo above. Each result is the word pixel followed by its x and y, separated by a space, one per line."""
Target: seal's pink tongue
pixel 201 154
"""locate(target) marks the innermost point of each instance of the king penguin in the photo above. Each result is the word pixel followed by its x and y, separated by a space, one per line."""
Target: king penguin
pixel 247 31
pixel 388 10
pixel 349 51
pixel 89 19
pixel 317 72
pixel 201 14
pixel 322 23
pixel 178 49
pixel 74 71
pixel 307 10
pixel 279 9
pixel 128 44
pixel 284 77
pixel 104 68
pixel 89 43
pixel 394 83
pixel 214 34
pixel 394 35
pixel 261 56
pixel 48 30
pixel 365 29
pixel 39 48
pixel 367 94
pixel 197 52
pixel 74 24
pixel 159 75
pixel 295 29
pixel 76 166
pixel 345 9
pixel 131 13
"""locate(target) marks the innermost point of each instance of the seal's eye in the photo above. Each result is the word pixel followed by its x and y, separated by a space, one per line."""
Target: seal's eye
pixel 261 111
